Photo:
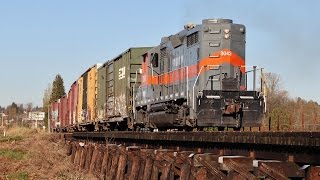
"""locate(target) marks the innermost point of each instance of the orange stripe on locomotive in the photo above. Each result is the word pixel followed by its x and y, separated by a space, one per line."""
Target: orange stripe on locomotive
pixel 216 59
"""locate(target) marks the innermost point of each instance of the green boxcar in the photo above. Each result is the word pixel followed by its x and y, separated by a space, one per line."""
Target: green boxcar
pixel 102 92
pixel 116 80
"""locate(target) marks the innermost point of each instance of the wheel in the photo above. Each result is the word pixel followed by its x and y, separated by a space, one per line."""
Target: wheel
pixel 221 128
pixel 237 128
pixel 188 128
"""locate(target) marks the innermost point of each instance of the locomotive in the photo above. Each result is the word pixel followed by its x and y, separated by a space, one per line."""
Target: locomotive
pixel 196 78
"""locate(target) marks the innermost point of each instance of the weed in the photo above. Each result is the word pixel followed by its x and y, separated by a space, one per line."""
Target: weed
pixel 21 131
pixel 13 154
pixel 18 176
pixel 61 175
pixel 10 138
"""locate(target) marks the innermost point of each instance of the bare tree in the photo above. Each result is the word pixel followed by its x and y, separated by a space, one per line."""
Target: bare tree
pixel 46 102
pixel 277 95
pixel 46 95
pixel 277 102
pixel 29 107
pixel 20 109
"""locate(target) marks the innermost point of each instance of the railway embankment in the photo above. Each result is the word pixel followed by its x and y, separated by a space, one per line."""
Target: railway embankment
pixel 32 154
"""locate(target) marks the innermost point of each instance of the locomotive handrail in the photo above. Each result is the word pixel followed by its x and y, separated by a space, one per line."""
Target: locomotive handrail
pixel 187 85
pixel 195 82
pixel 254 70
pixel 263 84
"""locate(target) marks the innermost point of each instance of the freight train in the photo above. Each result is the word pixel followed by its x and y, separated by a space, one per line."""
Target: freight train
pixel 194 79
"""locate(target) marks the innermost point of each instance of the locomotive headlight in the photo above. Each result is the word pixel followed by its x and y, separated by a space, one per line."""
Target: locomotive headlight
pixel 226 31
pixel 227 36
pixel 242 30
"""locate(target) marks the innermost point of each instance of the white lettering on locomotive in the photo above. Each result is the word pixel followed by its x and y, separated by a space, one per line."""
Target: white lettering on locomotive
pixel 225 53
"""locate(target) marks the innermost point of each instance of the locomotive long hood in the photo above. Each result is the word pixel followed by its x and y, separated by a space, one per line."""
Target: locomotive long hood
pixel 216 59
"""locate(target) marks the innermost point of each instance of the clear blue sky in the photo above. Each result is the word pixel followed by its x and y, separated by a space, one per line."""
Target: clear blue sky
pixel 39 39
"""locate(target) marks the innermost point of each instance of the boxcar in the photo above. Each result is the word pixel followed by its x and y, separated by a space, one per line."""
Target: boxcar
pixel 92 93
pixel 119 76
pixel 60 113
pixel 54 115
pixel 80 99
pixel 102 92
pixel 69 106
pixel 72 103
pixel 87 98
pixel 84 113
pixel 63 112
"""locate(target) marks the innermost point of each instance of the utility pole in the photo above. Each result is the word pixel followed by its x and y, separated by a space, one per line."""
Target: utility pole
pixel 37 120
pixel 2 119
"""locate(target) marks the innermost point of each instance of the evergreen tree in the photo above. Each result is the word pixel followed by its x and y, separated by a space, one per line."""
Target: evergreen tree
pixel 57 88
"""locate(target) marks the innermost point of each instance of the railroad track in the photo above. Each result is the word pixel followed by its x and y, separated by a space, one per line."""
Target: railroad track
pixel 248 155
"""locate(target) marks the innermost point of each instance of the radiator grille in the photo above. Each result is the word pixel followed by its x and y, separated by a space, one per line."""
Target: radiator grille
pixel 192 39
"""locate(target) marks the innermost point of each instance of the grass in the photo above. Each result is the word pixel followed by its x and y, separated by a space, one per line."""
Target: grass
pixel 18 176
pixel 13 154
pixel 61 175
pixel 17 134
pixel 21 131
pixel 10 138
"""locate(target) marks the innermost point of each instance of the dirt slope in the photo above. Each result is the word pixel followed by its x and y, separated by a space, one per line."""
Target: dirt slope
pixel 29 154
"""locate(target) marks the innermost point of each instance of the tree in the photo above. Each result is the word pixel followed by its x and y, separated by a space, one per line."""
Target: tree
pixel 29 107
pixel 280 118
pixel 37 108
pixel 12 111
pixel 47 95
pixel 20 109
pixel 57 89
pixel 276 95
pixel 277 102
pixel 46 102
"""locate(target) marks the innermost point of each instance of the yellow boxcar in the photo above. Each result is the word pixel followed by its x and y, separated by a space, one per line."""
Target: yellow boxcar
pixel 80 117
pixel 92 92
